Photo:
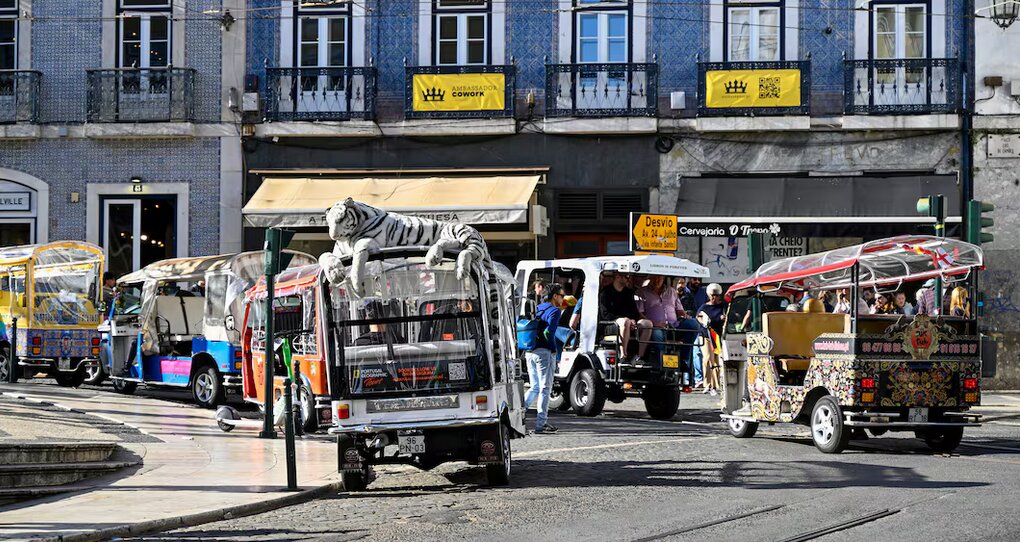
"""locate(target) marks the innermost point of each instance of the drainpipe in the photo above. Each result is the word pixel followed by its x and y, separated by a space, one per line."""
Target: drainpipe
pixel 967 122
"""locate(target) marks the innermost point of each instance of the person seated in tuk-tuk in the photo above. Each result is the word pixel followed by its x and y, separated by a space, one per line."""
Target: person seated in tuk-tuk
pixel 958 304
pixel 453 328
pixel 843 305
pixel 378 333
pixel 617 305
pixel 885 304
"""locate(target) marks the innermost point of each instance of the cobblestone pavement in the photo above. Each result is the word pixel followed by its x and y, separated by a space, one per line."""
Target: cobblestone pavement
pixel 622 476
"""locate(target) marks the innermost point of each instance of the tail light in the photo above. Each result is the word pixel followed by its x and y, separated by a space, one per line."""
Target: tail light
pixel 343 411
pixel 481 402
pixel 611 358
pixel 95 351
pixel 237 354
pixel 970 383
pixel 868 383
pixel 36 341
pixel 95 341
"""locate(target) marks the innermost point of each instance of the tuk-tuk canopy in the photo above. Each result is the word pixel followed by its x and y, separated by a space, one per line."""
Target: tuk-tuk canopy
pixel 883 262
pixel 245 265
pixel 51 254
pixel 649 264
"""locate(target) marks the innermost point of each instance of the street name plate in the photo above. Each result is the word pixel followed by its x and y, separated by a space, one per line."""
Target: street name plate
pixel 1003 146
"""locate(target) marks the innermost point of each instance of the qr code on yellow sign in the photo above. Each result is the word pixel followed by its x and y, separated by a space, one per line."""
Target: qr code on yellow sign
pixel 768 87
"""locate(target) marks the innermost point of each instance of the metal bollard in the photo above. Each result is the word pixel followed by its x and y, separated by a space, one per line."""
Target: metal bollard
pixel 288 428
pixel 299 419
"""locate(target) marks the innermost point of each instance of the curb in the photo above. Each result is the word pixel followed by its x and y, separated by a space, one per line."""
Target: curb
pixel 192 520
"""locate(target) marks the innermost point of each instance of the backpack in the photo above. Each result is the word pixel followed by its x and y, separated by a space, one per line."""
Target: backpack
pixel 529 332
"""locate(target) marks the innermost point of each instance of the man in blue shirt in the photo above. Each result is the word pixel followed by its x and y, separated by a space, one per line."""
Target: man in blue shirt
pixel 541 366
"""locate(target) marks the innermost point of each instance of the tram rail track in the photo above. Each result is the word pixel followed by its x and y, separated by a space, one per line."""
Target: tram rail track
pixel 835 528
pixel 726 519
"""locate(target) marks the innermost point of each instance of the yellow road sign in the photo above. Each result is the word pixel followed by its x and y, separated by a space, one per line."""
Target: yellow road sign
pixel 654 232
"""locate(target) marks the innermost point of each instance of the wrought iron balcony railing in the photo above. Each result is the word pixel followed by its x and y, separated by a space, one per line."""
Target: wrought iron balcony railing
pixel 901 86
pixel 477 97
pixel 320 94
pixel 141 95
pixel 601 90
pixel 19 96
pixel 779 90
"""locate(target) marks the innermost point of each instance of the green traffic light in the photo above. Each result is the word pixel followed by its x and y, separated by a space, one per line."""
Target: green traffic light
pixel 923 205
pixel 977 222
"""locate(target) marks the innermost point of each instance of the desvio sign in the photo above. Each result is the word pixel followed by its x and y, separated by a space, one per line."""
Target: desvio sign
pixel 459 92
pixel 654 233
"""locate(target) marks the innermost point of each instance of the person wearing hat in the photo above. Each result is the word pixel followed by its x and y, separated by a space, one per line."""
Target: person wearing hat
pixel 715 307
pixel 926 299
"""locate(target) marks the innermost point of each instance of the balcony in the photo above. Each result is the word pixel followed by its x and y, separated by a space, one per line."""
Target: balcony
pixel 460 92
pixel 732 89
pixel 602 90
pixel 141 95
pixel 901 86
pixel 19 96
pixel 320 94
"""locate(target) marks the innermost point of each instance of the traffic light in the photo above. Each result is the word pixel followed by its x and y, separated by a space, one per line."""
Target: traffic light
pixel 934 206
pixel 977 222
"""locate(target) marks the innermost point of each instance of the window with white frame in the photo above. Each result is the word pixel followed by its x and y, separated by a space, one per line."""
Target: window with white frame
pixel 753 32
pixel 900 32
pixel 602 31
pixel 145 32
pixel 461 32
pixel 323 35
pixel 8 34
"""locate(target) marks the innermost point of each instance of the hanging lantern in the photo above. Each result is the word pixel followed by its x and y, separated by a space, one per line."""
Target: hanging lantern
pixel 1004 12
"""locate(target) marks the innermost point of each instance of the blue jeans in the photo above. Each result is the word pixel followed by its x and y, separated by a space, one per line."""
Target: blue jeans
pixel 540 373
pixel 697 359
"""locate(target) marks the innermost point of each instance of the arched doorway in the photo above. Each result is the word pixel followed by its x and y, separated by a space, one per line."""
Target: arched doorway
pixel 24 208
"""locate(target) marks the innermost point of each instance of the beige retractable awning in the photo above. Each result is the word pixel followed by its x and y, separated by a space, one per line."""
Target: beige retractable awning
pixel 302 202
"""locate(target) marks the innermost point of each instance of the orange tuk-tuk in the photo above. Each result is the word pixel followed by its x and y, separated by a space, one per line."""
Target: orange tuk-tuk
pixel 298 317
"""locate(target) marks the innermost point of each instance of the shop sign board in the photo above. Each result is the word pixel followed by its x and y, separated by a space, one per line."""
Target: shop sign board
pixel 655 233
pixel 459 92
pixel 752 88
pixel 15 201
pixel 780 247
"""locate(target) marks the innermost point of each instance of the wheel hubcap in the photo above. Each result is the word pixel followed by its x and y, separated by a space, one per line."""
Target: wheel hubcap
pixel 506 452
pixel 91 372
pixel 582 393
pixel 823 424
pixel 736 425
pixel 205 385
pixel 5 368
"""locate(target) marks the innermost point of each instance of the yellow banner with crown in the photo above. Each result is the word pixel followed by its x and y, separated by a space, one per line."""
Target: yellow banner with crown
pixel 752 88
pixel 459 92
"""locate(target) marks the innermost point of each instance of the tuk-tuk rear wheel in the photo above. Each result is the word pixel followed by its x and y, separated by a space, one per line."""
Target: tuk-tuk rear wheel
pixel 6 366
pixel 499 474
pixel 354 481
pixel 741 428
pixel 69 380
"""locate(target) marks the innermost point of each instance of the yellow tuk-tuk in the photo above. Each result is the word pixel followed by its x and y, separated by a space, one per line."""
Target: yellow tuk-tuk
pixel 850 368
pixel 50 294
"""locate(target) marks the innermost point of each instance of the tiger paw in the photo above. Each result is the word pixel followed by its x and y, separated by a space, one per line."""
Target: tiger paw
pixel 332 268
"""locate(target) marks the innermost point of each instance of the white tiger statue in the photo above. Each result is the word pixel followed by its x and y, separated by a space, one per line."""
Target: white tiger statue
pixel 360 229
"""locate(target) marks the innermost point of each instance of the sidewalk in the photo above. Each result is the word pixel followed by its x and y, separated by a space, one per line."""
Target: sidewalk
pixel 189 465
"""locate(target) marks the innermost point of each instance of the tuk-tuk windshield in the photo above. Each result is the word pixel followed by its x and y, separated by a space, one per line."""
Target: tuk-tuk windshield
pixel 416 329
pixel 66 294
pixel 737 312
pixel 129 300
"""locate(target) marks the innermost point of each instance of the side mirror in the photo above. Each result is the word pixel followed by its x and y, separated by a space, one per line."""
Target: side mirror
pixel 228 322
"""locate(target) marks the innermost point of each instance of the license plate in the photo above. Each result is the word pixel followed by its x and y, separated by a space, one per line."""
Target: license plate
pixel 917 415
pixel 671 362
pixel 411 443
pixel 64 364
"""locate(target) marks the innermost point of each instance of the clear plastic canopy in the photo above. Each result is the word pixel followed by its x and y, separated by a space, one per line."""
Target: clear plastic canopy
pixel 883 262
pixel 50 254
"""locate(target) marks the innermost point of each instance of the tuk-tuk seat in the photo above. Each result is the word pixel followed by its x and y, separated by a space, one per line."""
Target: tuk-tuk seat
pixel 183 315
pixel 793 334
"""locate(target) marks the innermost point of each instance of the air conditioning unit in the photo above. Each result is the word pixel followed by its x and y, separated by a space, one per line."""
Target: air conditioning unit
pixel 1014 87
pixel 250 102
pixel 678 100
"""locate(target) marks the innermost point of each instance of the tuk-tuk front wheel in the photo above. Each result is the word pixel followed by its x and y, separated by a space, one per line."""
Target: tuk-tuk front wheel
pixel 942 439
pixel 95 374
pixel 124 387
pixel 69 380
pixel 207 387
pixel 588 393
pixel 741 428
pixel 827 430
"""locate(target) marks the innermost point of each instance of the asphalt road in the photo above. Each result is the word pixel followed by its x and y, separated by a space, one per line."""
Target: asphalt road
pixel 622 476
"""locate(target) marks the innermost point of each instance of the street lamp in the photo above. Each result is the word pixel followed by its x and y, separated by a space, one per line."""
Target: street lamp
pixel 1004 12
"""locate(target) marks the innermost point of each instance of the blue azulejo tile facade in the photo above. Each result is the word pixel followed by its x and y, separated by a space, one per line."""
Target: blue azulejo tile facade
pixel 673 34
pixel 69 166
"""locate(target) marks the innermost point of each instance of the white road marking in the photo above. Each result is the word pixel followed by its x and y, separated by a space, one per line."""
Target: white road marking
pixel 617 445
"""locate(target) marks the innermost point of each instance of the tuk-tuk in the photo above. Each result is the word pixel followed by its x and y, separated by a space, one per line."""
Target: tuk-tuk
pixel 844 373
pixel 53 290
pixel 298 305
pixel 592 367
pixel 426 367
pixel 174 324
